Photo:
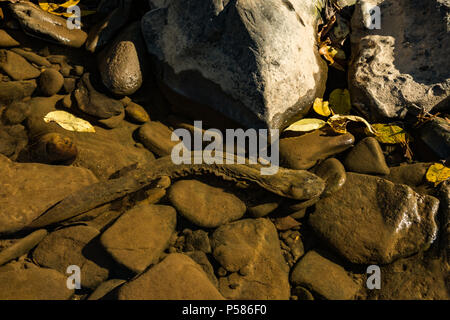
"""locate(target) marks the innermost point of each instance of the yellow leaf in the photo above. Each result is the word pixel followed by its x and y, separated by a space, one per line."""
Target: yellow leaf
pixel 307 124
pixel 321 107
pixel 53 7
pixel 438 173
pixel 68 121
pixel 389 134
pixel 340 101
pixel 339 123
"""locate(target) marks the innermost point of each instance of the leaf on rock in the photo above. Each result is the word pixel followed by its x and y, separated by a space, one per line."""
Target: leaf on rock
pixel 340 101
pixel 307 124
pixel 438 173
pixel 69 121
pixel 321 107
pixel 389 134
pixel 339 123
pixel 55 8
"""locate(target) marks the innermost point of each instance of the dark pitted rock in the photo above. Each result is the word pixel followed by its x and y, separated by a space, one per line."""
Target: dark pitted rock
pixel 323 277
pixel 6 40
pixel 122 64
pixel 303 152
pixel 32 57
pixel 16 113
pixel 54 148
pixel 140 236
pixel 250 249
pixel 16 66
pixel 29 189
pixel 371 220
pixel 156 137
pixel 16 90
pixel 436 135
pixel 367 157
pixel 43 25
pixel 95 103
pixel 50 82
pixel 74 246
pixel 32 283
pixel 204 205
pixel 106 30
pixel 333 173
pixel 136 113
pixel 219 44
pixel 22 246
pixel 104 288
pixel 177 277
pixel 400 67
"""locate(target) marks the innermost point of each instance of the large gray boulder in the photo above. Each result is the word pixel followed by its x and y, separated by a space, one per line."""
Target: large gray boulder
pixel 256 62
pixel 403 66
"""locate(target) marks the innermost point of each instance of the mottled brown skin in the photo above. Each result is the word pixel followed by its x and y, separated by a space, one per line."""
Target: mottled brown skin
pixel 294 184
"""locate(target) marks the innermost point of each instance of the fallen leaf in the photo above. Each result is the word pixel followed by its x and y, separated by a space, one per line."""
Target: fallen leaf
pixel 321 107
pixel 68 121
pixel 339 123
pixel 52 8
pixel 438 173
pixel 307 124
pixel 389 134
pixel 340 101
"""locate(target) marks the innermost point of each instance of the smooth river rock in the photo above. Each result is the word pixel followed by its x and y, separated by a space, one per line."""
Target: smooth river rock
pixel 74 246
pixel 305 151
pixel 29 189
pixel 250 251
pixel 204 205
pixel 16 66
pixel 374 221
pixel 177 277
pixel 43 25
pixel 255 62
pixel 140 236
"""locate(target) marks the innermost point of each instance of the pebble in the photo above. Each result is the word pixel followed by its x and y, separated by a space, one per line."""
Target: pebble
pixel 177 277
pixel 33 283
pixel 74 245
pixel 136 113
pixel 156 137
pixel 324 277
pixel 54 148
pixel 95 103
pixel 333 173
pixel 6 40
pixel 50 82
pixel 16 90
pixel 374 221
pixel 303 152
pixel 16 66
pixel 204 205
pixel 22 246
pixel 32 57
pixel 28 190
pixel 367 157
pixel 140 236
pixel 253 245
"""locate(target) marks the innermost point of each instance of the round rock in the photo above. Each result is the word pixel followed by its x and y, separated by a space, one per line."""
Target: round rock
pixel 205 206
pixel 50 82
